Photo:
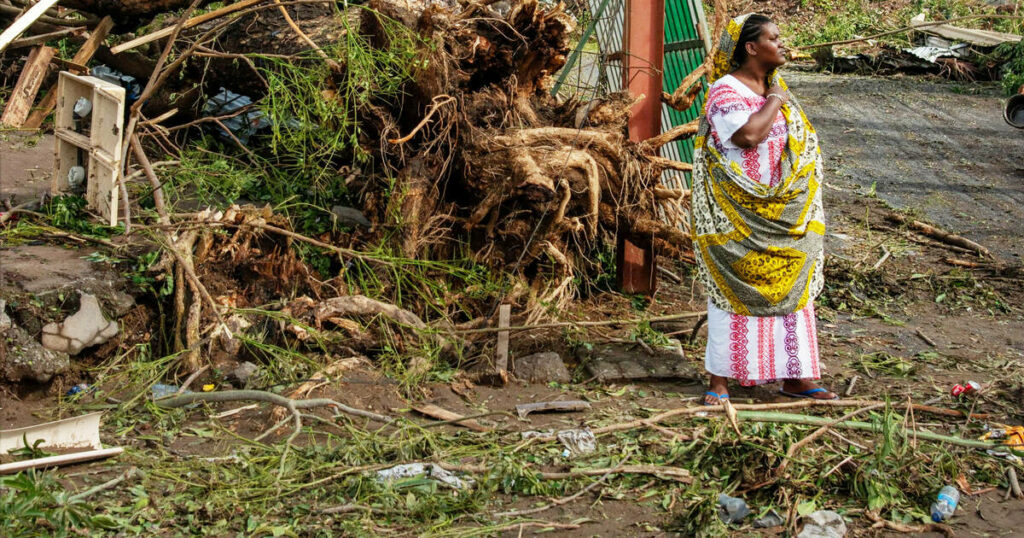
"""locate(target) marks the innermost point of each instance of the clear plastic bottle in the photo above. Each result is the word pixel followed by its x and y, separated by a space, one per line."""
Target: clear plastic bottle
pixel 945 505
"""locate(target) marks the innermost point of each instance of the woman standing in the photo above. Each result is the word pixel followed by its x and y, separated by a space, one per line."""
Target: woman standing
pixel 758 220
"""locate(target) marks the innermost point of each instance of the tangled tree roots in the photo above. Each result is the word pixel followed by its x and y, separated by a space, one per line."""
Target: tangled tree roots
pixel 535 182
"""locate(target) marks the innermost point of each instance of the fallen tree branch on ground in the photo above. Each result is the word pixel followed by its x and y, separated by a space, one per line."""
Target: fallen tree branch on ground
pixel 939 234
pixel 182 400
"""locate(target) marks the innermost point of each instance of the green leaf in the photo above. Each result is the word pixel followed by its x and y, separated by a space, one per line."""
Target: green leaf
pixel 806 507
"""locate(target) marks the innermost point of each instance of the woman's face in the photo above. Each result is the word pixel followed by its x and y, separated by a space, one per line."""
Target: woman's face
pixel 768 49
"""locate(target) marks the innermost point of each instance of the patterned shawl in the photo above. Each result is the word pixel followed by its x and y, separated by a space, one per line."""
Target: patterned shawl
pixel 759 248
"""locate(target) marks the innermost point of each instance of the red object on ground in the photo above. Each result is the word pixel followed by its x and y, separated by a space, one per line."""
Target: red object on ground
pixel 967 388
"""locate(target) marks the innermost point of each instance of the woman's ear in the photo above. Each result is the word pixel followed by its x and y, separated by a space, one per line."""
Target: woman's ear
pixel 751 48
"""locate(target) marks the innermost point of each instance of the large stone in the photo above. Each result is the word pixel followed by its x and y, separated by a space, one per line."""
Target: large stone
pixel 542 368
pixel 823 524
pixel 244 372
pixel 631 362
pixel 26 359
pixel 5 320
pixel 85 328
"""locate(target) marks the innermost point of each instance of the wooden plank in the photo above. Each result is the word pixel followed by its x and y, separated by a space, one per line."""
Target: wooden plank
pixel 43 38
pixel 199 19
pixel 983 38
pixel 441 413
pixel 564 405
pixel 82 57
pixel 501 356
pixel 19 26
pixel 24 94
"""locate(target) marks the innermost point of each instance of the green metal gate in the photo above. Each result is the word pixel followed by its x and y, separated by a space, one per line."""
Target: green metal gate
pixel 601 72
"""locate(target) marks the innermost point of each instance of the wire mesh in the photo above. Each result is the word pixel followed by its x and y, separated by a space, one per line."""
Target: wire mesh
pixel 596 68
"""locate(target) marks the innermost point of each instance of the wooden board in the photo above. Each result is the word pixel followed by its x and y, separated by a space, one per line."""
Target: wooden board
pixel 501 357
pixel 24 94
pixel 96 38
pixel 19 26
pixel 441 413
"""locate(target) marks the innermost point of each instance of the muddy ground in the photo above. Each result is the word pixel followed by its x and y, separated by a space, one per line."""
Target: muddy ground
pixel 908 326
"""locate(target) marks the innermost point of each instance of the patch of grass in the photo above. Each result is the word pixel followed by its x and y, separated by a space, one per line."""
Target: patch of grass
pixel 837 20
pixel 881 363
pixel 960 290
pixel 1011 55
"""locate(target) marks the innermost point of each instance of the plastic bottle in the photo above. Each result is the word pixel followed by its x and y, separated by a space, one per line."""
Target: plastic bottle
pixel 946 503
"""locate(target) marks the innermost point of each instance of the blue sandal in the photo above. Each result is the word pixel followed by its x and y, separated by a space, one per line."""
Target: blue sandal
pixel 716 395
pixel 808 394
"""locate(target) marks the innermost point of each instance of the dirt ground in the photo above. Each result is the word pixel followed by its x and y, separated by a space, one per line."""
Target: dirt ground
pixel 940 150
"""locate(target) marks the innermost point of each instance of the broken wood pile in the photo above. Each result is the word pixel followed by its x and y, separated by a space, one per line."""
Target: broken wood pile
pixel 470 158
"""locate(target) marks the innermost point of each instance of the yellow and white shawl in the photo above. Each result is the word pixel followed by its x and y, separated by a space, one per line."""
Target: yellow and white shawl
pixel 759 248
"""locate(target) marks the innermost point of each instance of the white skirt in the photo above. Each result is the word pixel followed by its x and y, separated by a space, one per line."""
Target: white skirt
pixel 755 350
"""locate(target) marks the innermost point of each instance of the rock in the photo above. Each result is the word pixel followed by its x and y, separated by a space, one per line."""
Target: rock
pixel 85 328
pixel 227 340
pixel 26 359
pixel 5 320
pixel 244 372
pixel 350 216
pixel 630 362
pixel 823 524
pixel 542 368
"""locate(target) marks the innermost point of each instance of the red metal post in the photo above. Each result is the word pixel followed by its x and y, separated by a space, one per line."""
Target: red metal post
pixel 644 41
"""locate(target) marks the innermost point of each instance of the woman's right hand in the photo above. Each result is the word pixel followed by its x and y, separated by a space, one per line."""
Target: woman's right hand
pixel 778 90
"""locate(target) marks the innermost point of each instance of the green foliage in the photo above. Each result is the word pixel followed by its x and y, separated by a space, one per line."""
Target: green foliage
pixel 1011 55
pixel 316 130
pixel 34 504
pixel 209 177
pixel 835 20
pixel 68 213
pixel 30 451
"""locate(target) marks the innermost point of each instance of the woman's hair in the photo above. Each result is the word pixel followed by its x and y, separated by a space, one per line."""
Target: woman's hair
pixel 750 32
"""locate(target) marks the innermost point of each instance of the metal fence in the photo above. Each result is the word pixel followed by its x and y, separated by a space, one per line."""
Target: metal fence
pixel 596 66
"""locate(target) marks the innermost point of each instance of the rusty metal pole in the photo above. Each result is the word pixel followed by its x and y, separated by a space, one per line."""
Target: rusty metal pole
pixel 644 41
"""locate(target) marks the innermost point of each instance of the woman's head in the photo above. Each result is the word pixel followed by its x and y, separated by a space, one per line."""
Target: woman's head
pixel 759 42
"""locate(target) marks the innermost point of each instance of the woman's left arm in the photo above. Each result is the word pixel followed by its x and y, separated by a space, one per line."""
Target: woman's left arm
pixel 760 123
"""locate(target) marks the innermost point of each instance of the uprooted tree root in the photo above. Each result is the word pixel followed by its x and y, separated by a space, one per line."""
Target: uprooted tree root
pixel 534 182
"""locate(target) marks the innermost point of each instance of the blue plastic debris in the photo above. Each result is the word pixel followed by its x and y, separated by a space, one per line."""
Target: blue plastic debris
pixel 241 125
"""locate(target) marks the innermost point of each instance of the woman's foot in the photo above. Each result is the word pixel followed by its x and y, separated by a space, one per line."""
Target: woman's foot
pixel 718 390
pixel 805 388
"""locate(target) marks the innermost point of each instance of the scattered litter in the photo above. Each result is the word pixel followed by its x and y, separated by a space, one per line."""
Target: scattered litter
pixel 1005 454
pixel 769 520
pixel 81 432
pixel 732 509
pixel 578 441
pixel 132 89
pixel 242 125
pixel 569 405
pixel 1011 435
pixel 209 387
pixel 943 508
pixel 161 390
pixel 431 470
pixel 536 433
pixel 77 389
pixel 966 388
pixel 823 524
